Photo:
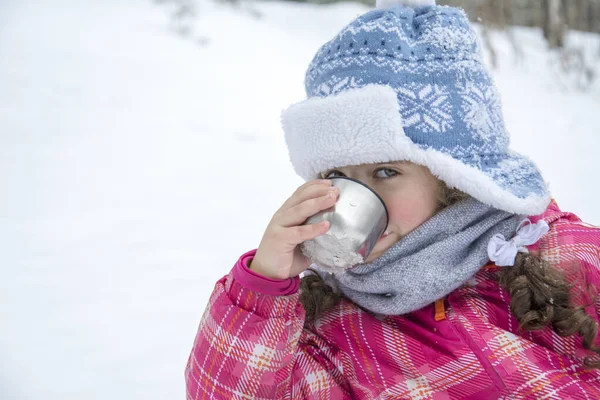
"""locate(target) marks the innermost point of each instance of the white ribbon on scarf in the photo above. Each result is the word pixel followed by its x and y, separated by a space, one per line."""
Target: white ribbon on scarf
pixel 503 252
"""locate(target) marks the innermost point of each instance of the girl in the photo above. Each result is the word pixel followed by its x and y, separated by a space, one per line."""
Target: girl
pixel 480 288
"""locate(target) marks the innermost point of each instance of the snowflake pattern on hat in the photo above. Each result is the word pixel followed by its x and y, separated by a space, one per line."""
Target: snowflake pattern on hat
pixel 481 109
pixel 426 106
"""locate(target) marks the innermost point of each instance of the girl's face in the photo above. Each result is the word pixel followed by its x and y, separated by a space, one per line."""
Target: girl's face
pixel 408 190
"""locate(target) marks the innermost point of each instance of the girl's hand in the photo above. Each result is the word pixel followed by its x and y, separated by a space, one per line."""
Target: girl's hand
pixel 278 255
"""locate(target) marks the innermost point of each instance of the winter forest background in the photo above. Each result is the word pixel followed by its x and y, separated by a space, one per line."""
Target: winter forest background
pixel 141 154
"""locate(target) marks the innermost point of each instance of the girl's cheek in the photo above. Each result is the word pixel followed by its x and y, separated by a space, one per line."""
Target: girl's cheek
pixel 408 214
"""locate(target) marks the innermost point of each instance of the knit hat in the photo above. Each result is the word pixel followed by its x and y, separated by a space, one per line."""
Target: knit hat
pixel 408 82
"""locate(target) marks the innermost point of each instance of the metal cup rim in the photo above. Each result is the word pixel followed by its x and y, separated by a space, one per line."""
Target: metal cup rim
pixel 387 216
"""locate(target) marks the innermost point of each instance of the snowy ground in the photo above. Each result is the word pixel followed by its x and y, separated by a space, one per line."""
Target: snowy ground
pixel 136 166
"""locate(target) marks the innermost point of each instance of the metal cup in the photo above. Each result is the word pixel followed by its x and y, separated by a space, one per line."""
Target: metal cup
pixel 357 221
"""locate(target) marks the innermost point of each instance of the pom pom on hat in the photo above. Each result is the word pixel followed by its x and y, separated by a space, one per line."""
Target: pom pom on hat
pixel 409 3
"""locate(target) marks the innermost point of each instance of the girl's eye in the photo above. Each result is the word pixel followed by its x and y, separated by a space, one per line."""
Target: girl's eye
pixel 385 173
pixel 333 174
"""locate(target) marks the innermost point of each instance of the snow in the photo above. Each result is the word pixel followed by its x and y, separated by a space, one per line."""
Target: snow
pixel 137 165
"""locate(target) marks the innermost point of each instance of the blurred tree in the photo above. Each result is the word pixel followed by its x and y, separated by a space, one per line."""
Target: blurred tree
pixel 554 26
pixel 184 15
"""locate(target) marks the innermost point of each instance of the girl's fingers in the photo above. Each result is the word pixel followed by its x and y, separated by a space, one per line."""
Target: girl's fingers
pixel 298 234
pixel 297 214
pixel 311 192
pixel 307 191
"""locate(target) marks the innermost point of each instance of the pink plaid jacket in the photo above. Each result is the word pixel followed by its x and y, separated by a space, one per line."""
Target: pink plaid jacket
pixel 252 345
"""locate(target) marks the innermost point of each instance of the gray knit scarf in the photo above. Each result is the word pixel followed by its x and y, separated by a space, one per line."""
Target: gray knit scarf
pixel 427 264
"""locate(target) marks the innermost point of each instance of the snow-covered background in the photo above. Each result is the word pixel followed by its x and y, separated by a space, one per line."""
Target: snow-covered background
pixel 137 164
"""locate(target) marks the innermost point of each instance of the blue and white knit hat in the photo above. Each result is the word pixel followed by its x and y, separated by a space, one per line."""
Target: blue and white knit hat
pixel 408 83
